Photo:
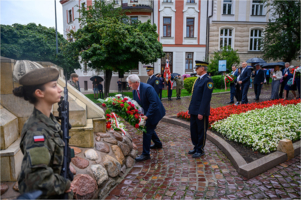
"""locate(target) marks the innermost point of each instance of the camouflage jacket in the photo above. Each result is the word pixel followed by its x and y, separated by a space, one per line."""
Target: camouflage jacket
pixel 75 85
pixel 43 150
pixel 180 83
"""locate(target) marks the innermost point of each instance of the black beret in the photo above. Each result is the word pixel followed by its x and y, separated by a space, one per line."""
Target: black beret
pixel 39 77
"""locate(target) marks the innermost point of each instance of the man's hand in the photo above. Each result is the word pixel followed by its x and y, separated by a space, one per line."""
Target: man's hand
pixel 200 117
pixel 71 188
pixel 240 82
pixel 144 117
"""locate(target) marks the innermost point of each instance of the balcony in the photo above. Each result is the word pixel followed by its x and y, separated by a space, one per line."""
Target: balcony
pixel 137 5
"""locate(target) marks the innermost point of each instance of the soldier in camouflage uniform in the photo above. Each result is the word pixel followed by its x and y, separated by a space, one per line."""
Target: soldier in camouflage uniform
pixel 41 137
pixel 74 81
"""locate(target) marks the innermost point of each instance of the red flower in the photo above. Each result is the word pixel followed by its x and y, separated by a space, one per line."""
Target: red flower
pixel 137 116
pixel 125 99
pixel 114 103
pixel 129 107
pixel 108 115
pixel 108 126
pixel 128 112
pixel 121 105
pixel 137 126
pixel 118 97
pixel 136 110
pixel 104 105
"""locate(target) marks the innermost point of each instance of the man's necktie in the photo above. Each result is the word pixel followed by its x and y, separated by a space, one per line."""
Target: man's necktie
pixel 138 94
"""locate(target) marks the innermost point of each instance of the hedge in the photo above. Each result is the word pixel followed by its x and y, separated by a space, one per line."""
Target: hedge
pixel 188 83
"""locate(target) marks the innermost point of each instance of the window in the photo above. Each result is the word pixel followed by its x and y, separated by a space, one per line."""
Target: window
pixel 225 38
pixel 116 2
pixel 70 16
pixel 132 1
pixel 190 1
pixel 190 27
pixel 257 7
pixel 86 85
pixel 166 26
pixel 134 19
pixel 227 7
pixel 189 62
pixel 255 40
pixel 167 1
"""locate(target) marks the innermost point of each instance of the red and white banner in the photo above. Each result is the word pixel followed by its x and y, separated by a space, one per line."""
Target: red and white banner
pixel 117 123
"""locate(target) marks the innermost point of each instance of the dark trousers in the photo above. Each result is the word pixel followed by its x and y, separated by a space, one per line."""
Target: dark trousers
pixel 232 92
pixel 119 88
pixel 282 88
pixel 268 79
pixel 160 93
pixel 257 90
pixel 147 137
pixel 169 90
pixel 238 92
pixel 100 94
pixel 244 91
pixel 298 85
pixel 198 131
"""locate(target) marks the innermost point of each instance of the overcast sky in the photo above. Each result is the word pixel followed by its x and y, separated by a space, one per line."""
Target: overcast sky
pixel 28 11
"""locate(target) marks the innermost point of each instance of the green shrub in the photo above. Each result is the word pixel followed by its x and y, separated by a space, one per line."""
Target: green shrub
pixel 188 83
pixel 218 81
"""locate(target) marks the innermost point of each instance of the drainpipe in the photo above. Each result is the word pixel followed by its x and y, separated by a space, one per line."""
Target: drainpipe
pixel 208 29
pixel 153 2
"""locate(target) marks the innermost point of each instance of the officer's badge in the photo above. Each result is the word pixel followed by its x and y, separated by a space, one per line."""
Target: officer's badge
pixel 157 82
pixel 210 85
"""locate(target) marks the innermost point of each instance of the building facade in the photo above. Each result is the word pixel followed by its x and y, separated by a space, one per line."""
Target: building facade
pixel 181 26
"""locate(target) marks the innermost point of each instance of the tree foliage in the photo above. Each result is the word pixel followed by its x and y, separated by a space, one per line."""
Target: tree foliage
pixel 227 53
pixel 282 35
pixel 36 43
pixel 111 44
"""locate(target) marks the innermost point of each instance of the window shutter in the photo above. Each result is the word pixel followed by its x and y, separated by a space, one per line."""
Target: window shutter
pixel 67 16
pixel 72 13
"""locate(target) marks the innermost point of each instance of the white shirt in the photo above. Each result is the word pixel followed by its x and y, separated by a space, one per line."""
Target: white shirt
pixel 151 76
pixel 278 75
pixel 202 76
pixel 138 89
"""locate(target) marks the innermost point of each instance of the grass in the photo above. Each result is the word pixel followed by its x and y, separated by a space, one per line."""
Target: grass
pixel 184 93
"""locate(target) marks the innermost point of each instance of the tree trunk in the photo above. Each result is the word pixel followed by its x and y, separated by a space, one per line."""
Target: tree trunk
pixel 108 77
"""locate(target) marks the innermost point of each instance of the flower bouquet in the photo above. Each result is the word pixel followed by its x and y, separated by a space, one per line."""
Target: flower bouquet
pixel 298 72
pixel 113 122
pixel 229 79
pixel 126 108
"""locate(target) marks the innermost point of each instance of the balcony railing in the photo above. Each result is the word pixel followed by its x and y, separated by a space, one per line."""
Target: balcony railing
pixel 139 4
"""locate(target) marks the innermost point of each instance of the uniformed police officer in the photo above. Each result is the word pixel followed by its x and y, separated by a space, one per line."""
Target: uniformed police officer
pixel 74 81
pixel 152 80
pixel 41 136
pixel 199 109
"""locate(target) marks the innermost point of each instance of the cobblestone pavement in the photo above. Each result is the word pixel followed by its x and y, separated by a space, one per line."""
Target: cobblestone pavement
pixel 173 174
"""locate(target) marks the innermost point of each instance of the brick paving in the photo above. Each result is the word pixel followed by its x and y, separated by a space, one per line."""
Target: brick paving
pixel 173 174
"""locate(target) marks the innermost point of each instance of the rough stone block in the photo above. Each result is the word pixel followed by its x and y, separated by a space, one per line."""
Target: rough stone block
pixel 8 128
pixel 6 74
pixel 82 136
pixel 99 125
pixel 286 146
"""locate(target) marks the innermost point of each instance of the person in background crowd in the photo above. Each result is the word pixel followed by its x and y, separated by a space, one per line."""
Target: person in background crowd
pixel 297 79
pixel 244 81
pixel 161 85
pixel 41 138
pixel 95 88
pixel 258 75
pixel 285 72
pixel 277 75
pixel 74 81
pixel 209 74
pixel 232 85
pixel 100 88
pixel 267 76
pixel 251 82
pixel 152 80
pixel 119 85
pixel 199 109
pixel 289 86
pixel 179 87
pixel 154 111
pixel 168 82
pixel 238 87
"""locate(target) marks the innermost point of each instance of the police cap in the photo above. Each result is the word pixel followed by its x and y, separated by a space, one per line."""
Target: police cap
pixel 199 63
pixel 39 77
pixel 149 67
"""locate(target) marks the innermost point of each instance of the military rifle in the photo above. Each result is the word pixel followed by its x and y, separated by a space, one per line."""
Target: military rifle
pixel 63 110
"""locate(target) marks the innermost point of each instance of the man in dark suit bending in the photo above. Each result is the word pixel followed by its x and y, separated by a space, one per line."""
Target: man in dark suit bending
pixel 244 82
pixel 258 81
pixel 154 111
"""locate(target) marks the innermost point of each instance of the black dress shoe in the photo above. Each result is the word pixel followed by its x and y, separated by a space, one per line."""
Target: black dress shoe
pixel 197 155
pixel 153 146
pixel 191 151
pixel 142 158
pixel 231 102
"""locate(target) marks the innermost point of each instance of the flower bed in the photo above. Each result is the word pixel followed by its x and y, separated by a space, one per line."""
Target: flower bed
pixel 262 129
pixel 223 112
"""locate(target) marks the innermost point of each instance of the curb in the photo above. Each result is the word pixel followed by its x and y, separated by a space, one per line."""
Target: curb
pixel 248 170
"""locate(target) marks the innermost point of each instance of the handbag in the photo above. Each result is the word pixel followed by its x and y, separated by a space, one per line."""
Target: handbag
pixel 290 82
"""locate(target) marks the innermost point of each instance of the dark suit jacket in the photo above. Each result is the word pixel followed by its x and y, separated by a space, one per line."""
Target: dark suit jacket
pixel 236 75
pixel 201 97
pixel 245 76
pixel 151 104
pixel 259 77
